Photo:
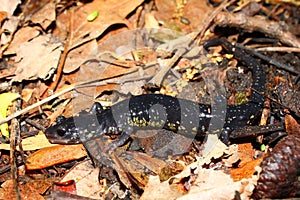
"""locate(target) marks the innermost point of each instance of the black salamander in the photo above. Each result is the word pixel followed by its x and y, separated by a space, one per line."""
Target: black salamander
pixel 156 111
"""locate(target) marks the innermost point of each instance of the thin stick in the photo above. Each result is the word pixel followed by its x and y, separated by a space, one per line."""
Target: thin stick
pixel 25 110
pixel 279 49
pixel 64 55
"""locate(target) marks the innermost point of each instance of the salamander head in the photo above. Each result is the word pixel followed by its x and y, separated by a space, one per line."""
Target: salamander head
pixel 81 128
pixel 63 132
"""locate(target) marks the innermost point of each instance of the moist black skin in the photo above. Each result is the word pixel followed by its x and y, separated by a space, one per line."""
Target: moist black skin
pixel 156 111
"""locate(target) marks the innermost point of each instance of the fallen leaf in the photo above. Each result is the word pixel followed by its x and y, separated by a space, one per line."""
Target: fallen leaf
pixel 291 125
pixel 79 55
pixel 7 191
pixel 112 12
pixel 155 189
pixel 9 6
pixel 191 12
pixel 10 25
pixel 50 156
pixel 206 186
pixel 86 179
pixel 245 171
pixel 246 152
pixel 213 148
pixel 31 143
pixel 37 58
pixel 6 100
pixel 22 36
pixel 171 14
pixel 3 15
pixel 45 16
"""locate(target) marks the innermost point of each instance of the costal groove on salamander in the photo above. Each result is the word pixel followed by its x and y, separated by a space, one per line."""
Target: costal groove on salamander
pixel 155 111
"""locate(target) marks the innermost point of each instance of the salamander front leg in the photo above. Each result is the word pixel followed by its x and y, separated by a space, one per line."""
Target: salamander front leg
pixel 119 142
pixel 96 108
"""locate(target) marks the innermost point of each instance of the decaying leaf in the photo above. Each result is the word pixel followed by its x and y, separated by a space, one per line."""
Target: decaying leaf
pixel 9 6
pixel 22 36
pixel 214 184
pixel 7 191
pixel 112 12
pixel 79 55
pixel 159 190
pixel 45 16
pixel 86 180
pixel 37 58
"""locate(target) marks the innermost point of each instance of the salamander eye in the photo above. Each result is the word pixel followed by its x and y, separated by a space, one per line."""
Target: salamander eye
pixel 61 132
pixel 60 119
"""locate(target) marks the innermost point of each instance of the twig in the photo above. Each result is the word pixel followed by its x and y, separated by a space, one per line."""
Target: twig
pixel 63 57
pixel 269 60
pixel 14 139
pixel 72 87
pixel 258 23
pixel 25 110
pixel 210 18
pixel 279 49
pixel 157 79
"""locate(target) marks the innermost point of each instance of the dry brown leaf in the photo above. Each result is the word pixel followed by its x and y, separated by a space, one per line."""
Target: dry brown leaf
pixel 110 12
pixel 9 6
pixel 86 179
pixel 7 72
pixel 31 143
pixel 3 16
pixel 79 55
pixel 54 155
pixel 7 191
pixel 45 16
pixel 245 171
pixel 192 11
pixel 159 190
pixel 27 94
pixel 246 152
pixel 291 125
pixel 37 58
pixel 11 24
pixel 212 184
pixel 22 36
pixel 153 164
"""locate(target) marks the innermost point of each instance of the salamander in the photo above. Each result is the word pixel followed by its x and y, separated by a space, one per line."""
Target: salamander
pixel 157 111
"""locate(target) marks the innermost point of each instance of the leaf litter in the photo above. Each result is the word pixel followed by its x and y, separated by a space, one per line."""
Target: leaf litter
pixel 81 34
